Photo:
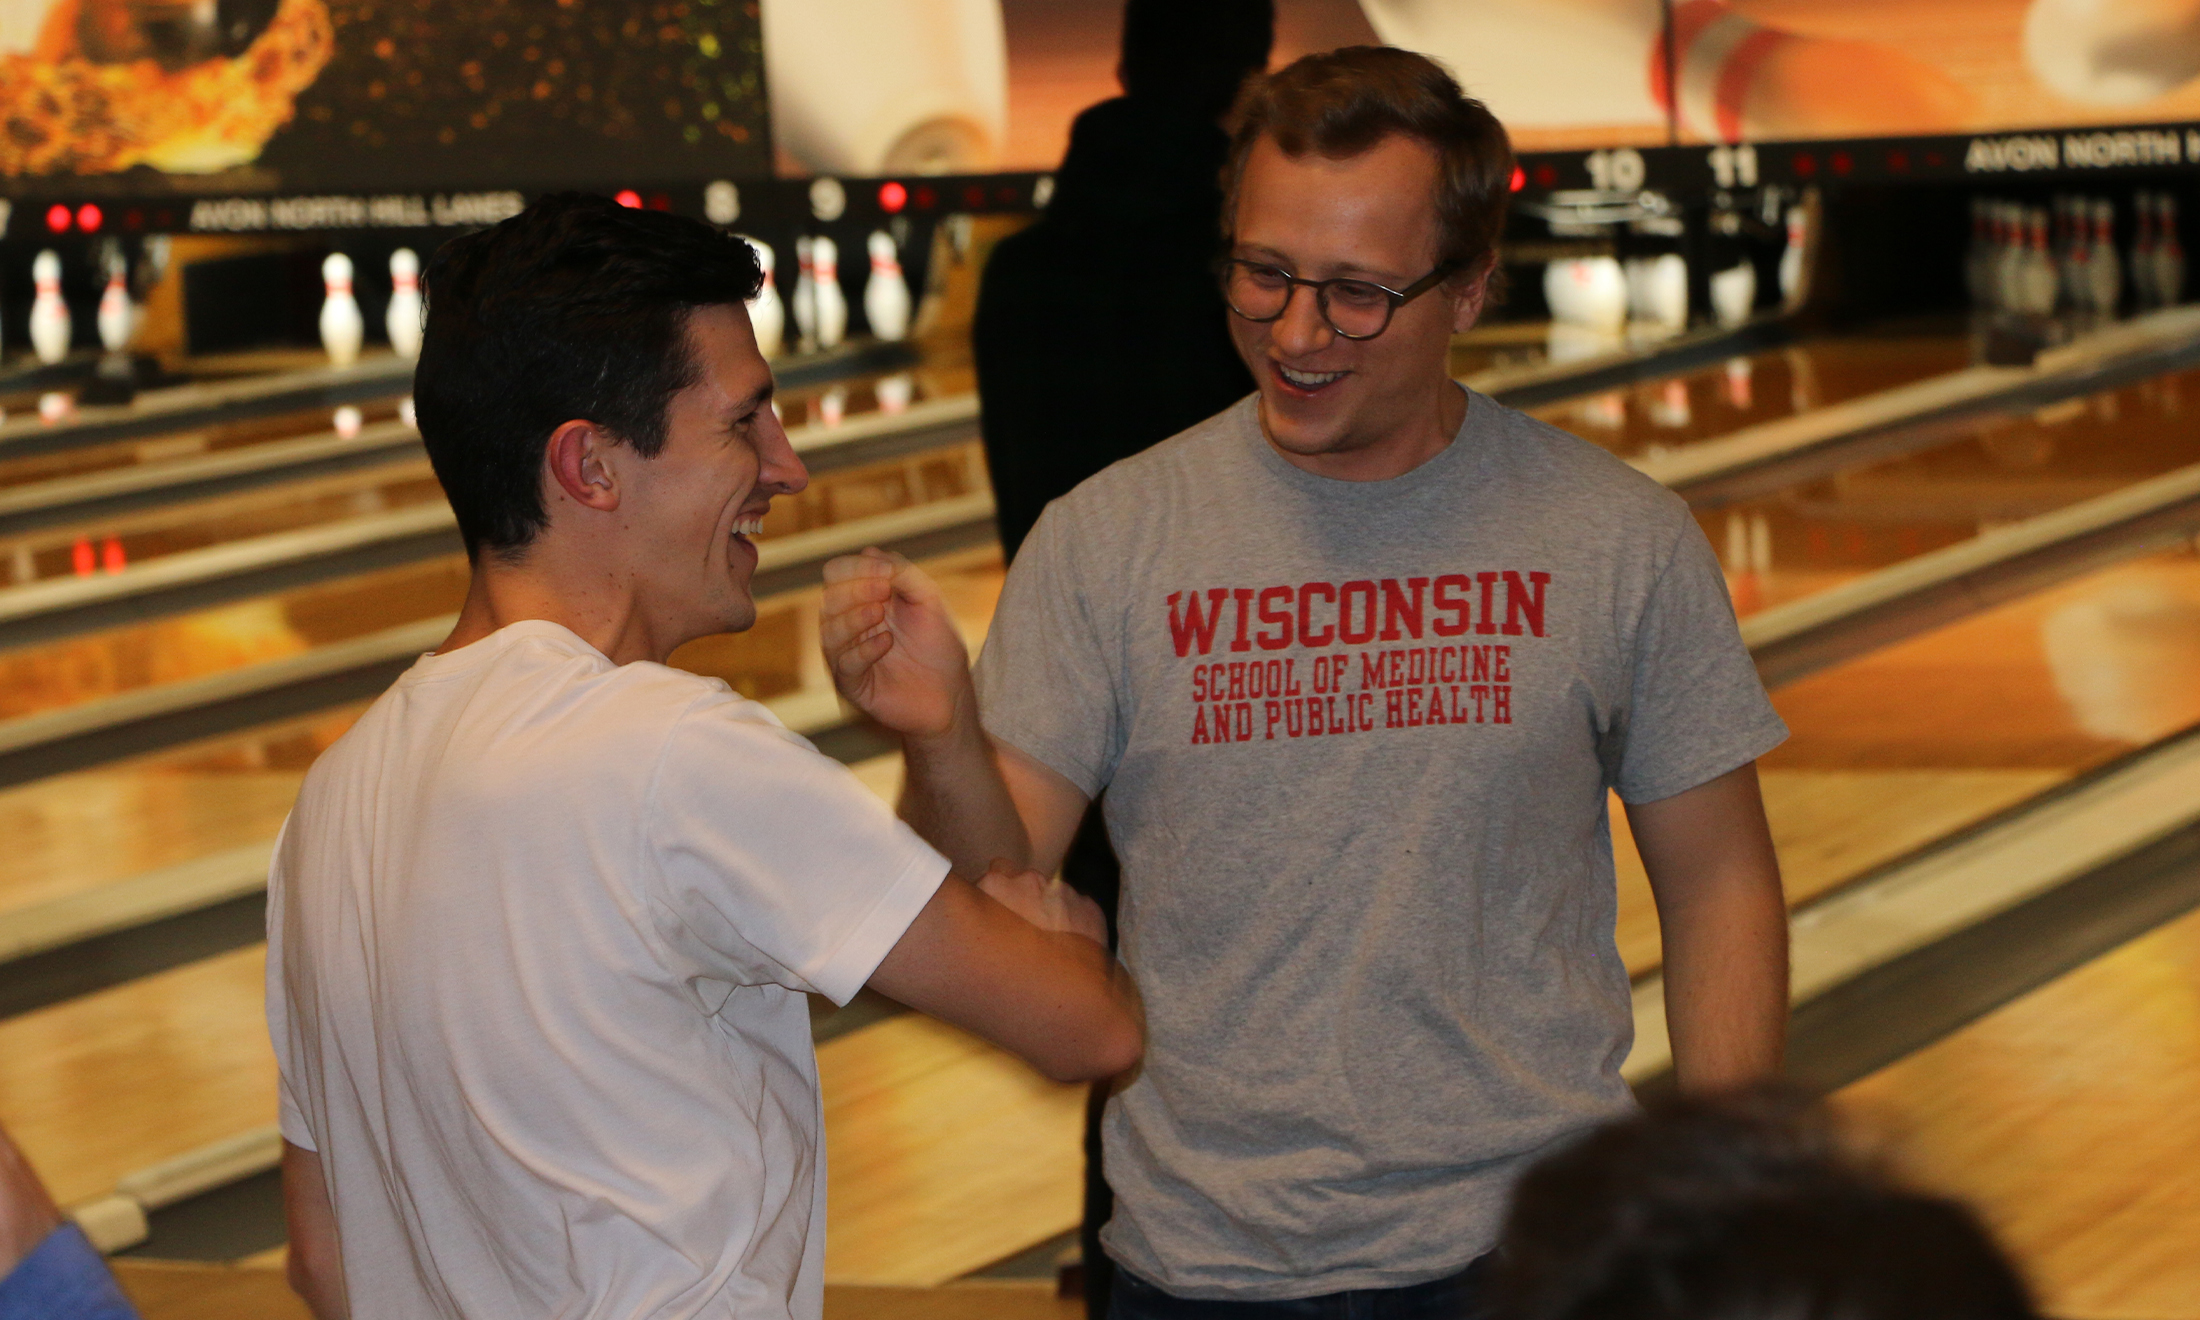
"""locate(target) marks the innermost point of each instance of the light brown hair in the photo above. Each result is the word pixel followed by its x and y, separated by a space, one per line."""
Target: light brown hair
pixel 1343 102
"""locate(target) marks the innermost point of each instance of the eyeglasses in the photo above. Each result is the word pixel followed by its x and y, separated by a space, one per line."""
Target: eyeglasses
pixel 1355 309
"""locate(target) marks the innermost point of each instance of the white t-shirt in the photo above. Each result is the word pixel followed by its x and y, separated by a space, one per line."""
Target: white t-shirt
pixel 539 930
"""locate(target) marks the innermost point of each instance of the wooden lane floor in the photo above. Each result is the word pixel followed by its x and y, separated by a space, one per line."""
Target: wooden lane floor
pixel 1909 743
pixel 110 543
pixel 955 1211
pixel 187 442
pixel 944 372
pixel 2071 1118
pixel 112 1082
pixel 101 1086
pixel 76 832
pixel 75 669
pixel 1666 413
pixel 1988 473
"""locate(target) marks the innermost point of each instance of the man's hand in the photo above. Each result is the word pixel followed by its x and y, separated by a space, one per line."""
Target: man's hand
pixel 891 645
pixel 1047 904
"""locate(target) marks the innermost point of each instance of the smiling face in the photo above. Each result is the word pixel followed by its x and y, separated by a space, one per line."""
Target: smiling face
pixel 1359 410
pixel 700 500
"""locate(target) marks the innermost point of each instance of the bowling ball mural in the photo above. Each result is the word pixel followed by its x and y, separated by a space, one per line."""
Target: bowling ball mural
pixel 355 94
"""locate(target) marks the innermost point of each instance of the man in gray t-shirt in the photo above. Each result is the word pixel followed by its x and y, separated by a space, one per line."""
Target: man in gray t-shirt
pixel 1357 661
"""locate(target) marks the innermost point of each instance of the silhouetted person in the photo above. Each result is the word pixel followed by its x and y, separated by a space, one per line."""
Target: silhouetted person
pixel 1739 1209
pixel 1101 329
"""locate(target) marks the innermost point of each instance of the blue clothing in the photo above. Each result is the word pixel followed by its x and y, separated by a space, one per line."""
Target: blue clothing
pixel 64 1278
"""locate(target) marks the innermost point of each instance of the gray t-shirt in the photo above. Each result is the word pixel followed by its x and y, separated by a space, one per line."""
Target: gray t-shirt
pixel 1356 738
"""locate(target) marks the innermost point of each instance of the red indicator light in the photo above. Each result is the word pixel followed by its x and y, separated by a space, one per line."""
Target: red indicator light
pixel 1805 164
pixel 57 218
pixel 133 219
pixel 1546 175
pixel 89 218
pixel 82 558
pixel 926 198
pixel 659 202
pixel 1842 164
pixel 892 197
pixel 1520 178
pixel 628 197
pixel 1898 161
pixel 974 196
pixel 1935 160
pixel 111 557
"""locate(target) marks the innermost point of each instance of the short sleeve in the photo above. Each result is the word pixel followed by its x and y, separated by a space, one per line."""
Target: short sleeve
pixel 775 865
pixel 1695 708
pixel 1046 677
pixel 290 1115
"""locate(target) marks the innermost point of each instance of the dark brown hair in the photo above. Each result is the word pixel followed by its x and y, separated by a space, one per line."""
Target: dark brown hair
pixel 1343 102
pixel 1740 1208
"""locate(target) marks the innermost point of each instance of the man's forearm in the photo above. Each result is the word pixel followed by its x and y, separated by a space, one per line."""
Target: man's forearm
pixel 953 794
pixel 1726 984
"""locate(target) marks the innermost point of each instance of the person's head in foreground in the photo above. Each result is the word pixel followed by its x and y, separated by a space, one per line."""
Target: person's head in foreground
pixel 1367 174
pixel 592 398
pixel 1740 1209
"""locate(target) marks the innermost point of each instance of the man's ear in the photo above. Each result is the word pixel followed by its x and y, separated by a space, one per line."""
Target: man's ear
pixel 581 463
pixel 1467 299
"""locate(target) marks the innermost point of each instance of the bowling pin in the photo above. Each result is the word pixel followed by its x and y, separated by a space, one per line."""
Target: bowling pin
pixel 895 391
pixel 832 304
pixel 2040 281
pixel 49 314
pixel 2016 270
pixel 1791 256
pixel 2169 253
pixel 1657 289
pixel 886 295
pixel 1638 289
pixel 342 327
pixel 1734 293
pixel 1978 262
pixel 117 316
pixel 767 315
pixel 1587 291
pixel 805 293
pixel 1740 383
pixel 2104 276
pixel 403 321
pixel 1559 287
pixel 2142 253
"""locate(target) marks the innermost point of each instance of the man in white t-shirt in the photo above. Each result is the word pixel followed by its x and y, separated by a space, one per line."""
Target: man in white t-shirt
pixel 543 926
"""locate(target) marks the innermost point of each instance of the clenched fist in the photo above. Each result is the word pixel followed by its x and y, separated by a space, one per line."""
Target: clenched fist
pixel 891 645
pixel 1047 904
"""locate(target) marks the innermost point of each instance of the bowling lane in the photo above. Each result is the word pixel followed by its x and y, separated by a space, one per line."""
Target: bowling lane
pixel 1904 745
pixel 1996 470
pixel 99 1087
pixel 1652 416
pixel 85 667
pixel 113 542
pixel 183 443
pixel 72 833
pixel 945 371
pixel 112 1082
pixel 2071 1118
